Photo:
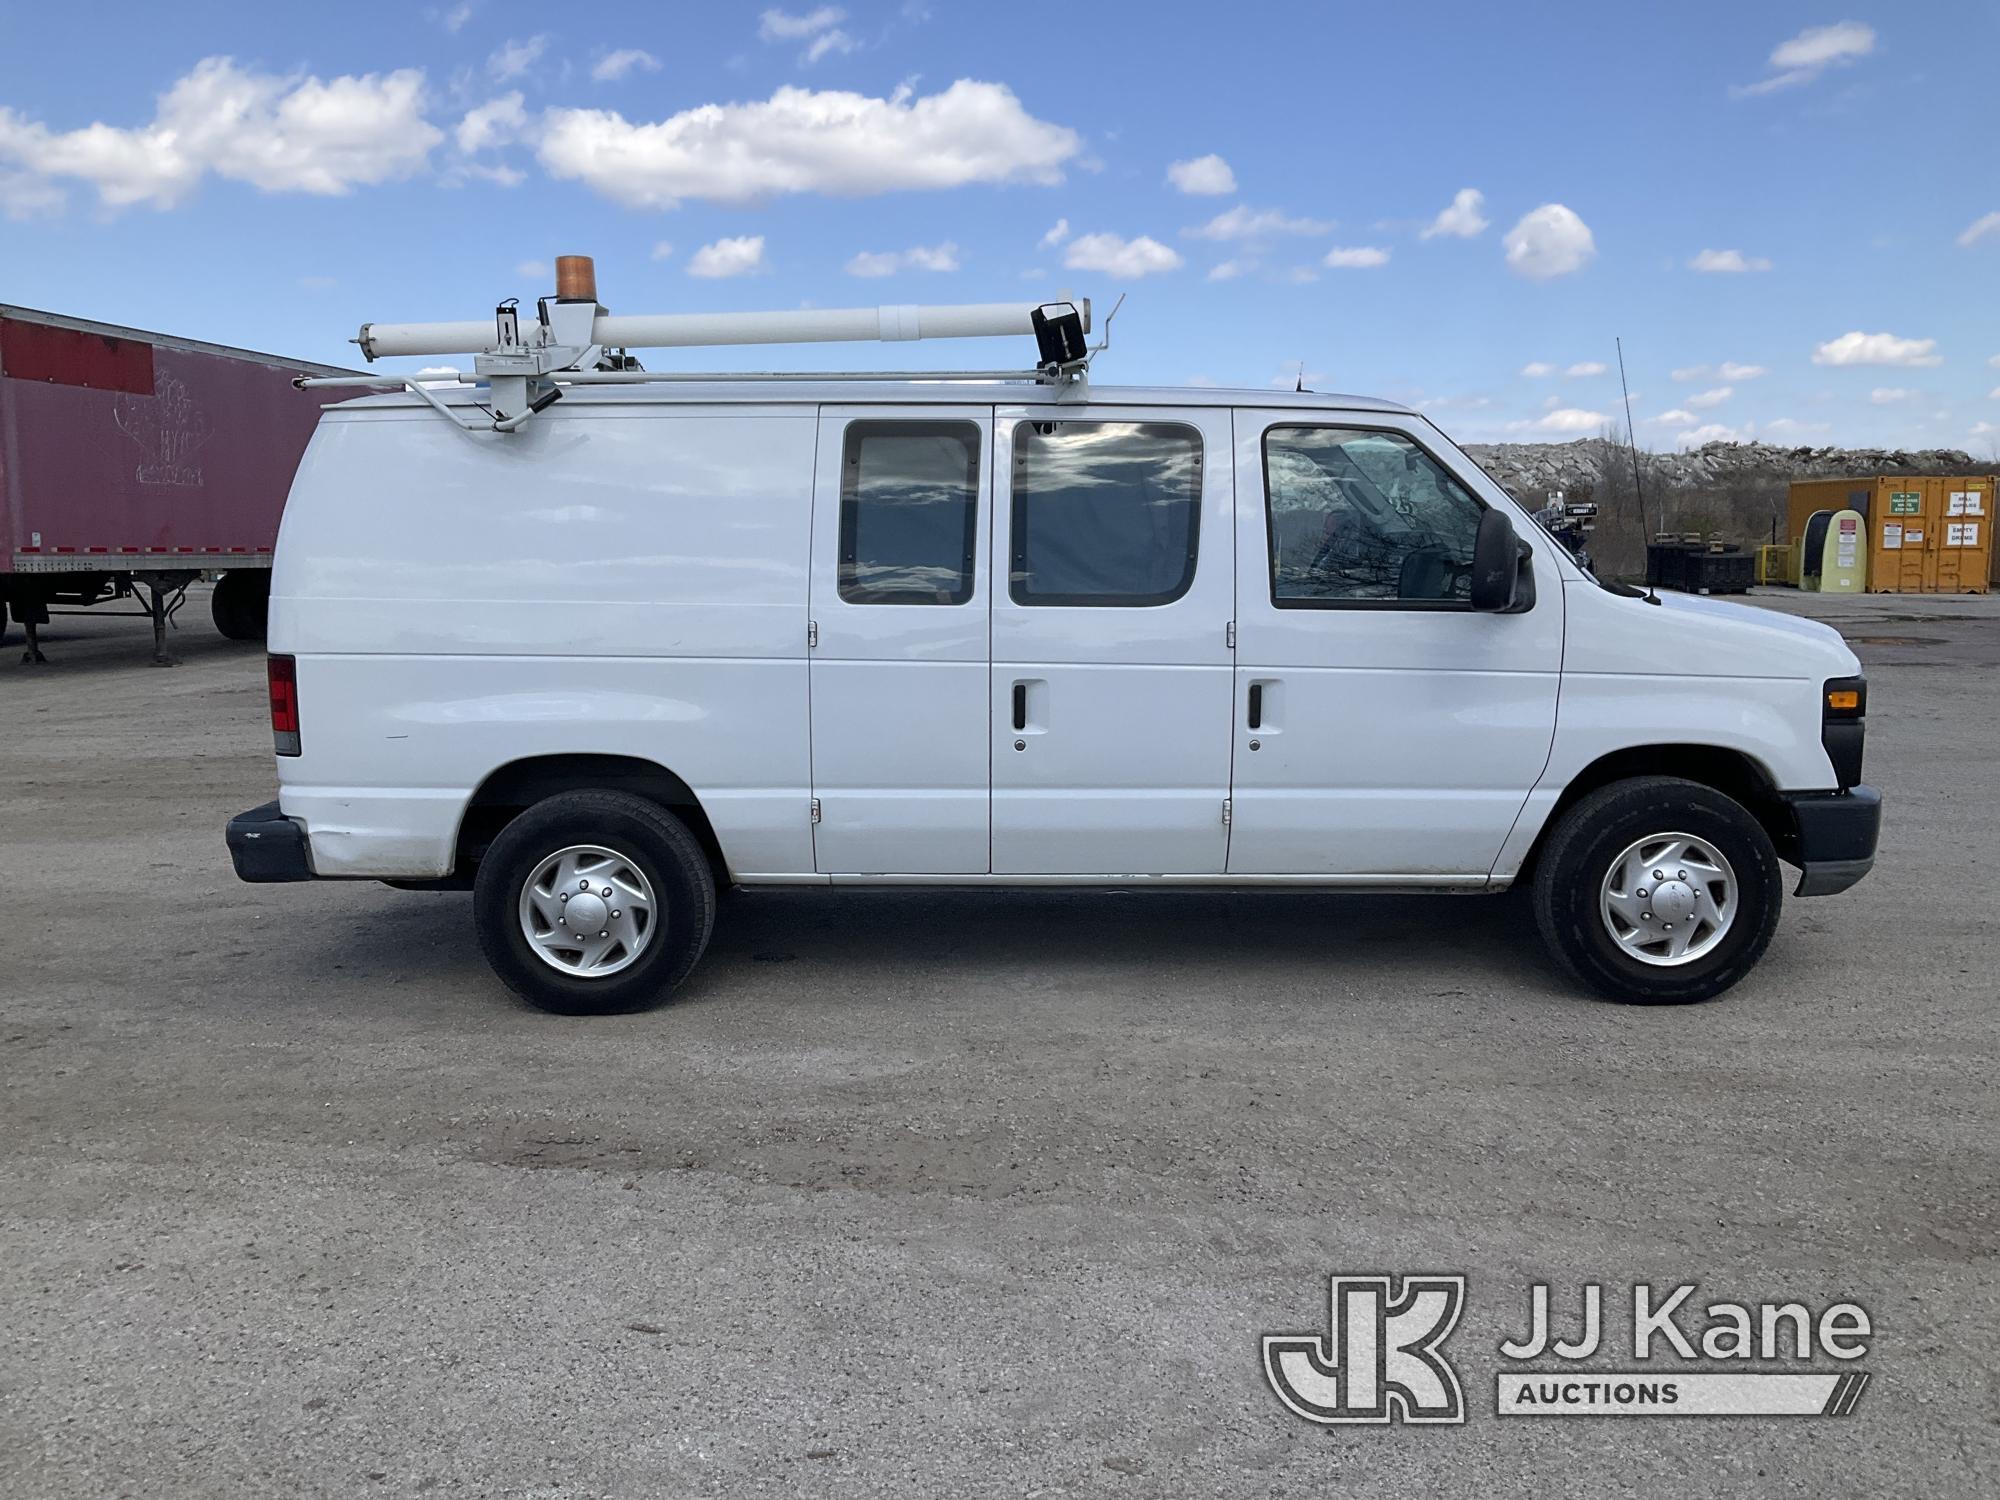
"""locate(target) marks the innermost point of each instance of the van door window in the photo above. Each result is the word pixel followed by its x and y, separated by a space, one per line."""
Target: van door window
pixel 909 512
pixel 1105 513
pixel 1364 518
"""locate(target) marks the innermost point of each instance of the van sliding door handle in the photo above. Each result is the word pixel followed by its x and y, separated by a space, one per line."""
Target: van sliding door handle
pixel 1256 705
pixel 1020 705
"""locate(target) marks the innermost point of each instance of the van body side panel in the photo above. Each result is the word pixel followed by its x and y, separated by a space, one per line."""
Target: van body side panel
pixel 609 582
pixel 395 745
pixel 1687 671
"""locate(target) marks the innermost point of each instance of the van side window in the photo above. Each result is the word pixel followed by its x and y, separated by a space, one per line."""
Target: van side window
pixel 1105 513
pixel 1359 517
pixel 909 512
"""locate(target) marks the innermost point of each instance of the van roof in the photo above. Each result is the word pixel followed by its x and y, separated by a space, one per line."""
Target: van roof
pixel 914 392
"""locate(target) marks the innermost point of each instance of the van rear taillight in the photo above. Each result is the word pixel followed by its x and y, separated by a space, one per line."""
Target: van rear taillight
pixel 285 704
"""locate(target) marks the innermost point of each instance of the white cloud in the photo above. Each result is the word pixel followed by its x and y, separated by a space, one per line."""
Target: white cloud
pixel 626 60
pixel 739 256
pixel 318 283
pixel 1117 256
pixel 1859 348
pixel 1537 369
pixel 663 249
pixel 781 26
pixel 1817 46
pixel 534 270
pixel 1058 232
pixel 494 123
pixel 1994 361
pixel 1549 241
pixel 818 29
pixel 1229 270
pixel 23 195
pixel 1714 432
pixel 454 19
pixel 1246 223
pixel 283 135
pixel 825 42
pixel 1205 176
pixel 1462 219
pixel 1730 370
pixel 1692 372
pixel 1727 262
pixel 1586 368
pixel 1979 228
pixel 1567 419
pixel 511 59
pixel 1994 394
pixel 1889 395
pixel 1356 257
pixel 1812 52
pixel 942 257
pixel 1675 418
pixel 802 141
pixel 1705 399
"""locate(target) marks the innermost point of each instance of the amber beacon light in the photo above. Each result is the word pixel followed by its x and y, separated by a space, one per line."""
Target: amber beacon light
pixel 576 278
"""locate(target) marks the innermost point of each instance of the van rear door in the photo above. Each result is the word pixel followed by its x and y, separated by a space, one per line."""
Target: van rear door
pixel 1112 558
pixel 901 630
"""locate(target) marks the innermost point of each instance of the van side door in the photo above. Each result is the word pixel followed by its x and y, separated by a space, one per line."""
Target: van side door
pixel 1383 727
pixel 900 625
pixel 1113 563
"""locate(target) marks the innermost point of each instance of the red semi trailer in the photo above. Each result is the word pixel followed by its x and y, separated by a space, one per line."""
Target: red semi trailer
pixel 135 462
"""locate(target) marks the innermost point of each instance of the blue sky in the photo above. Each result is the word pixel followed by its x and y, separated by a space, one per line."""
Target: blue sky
pixel 1456 205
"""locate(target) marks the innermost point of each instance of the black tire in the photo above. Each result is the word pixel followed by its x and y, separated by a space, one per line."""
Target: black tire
pixel 642 832
pixel 241 604
pixel 1580 852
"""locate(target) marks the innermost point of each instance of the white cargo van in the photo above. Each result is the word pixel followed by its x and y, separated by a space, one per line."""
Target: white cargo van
pixel 672 635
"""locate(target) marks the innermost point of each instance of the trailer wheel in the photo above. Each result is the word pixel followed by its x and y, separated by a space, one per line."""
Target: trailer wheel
pixel 594 902
pixel 241 604
pixel 1658 891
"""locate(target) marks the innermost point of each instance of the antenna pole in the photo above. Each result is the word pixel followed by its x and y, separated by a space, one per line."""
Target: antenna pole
pixel 1632 447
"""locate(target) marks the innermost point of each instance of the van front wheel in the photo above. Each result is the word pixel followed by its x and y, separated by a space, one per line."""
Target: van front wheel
pixel 1658 891
pixel 594 902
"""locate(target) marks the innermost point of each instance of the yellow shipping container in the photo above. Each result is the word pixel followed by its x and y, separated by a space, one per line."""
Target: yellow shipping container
pixel 1927 534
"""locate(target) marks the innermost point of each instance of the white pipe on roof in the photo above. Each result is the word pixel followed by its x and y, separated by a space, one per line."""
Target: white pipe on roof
pixel 683 330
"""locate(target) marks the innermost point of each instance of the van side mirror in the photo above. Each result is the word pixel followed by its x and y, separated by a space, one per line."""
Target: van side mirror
pixel 1497 556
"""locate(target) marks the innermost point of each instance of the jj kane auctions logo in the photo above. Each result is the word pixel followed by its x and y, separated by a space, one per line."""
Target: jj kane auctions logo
pixel 1382 1358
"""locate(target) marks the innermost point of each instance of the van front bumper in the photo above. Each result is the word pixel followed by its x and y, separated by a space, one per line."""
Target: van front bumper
pixel 1836 837
pixel 267 847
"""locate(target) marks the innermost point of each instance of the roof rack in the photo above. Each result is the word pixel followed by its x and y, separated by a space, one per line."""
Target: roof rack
pixel 574 341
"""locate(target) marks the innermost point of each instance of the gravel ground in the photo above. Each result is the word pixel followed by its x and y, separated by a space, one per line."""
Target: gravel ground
pixel 941 1193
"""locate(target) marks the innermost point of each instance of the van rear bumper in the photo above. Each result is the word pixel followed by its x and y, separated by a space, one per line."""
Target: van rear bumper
pixel 267 847
pixel 1837 832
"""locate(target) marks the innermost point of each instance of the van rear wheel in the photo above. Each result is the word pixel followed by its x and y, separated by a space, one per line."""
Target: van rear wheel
pixel 594 902
pixel 1658 891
